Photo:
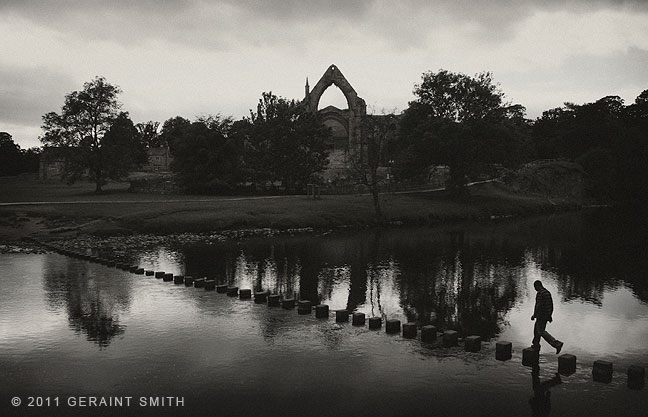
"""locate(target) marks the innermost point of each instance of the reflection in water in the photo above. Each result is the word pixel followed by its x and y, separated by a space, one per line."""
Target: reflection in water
pixel 477 279
pixel 93 303
pixel 541 401
pixel 381 277
pixel 456 278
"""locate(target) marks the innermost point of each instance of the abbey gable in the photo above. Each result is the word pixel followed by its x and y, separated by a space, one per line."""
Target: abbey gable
pixel 345 124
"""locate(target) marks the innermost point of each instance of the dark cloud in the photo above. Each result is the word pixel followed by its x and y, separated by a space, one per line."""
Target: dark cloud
pixel 219 24
pixel 225 24
pixel 305 10
pixel 28 93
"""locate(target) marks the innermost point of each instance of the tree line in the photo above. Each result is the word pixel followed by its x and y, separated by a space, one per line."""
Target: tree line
pixel 278 143
pixel 466 123
pixel 455 120
pixel 15 160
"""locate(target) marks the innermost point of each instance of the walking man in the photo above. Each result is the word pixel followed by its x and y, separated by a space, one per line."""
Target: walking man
pixel 542 314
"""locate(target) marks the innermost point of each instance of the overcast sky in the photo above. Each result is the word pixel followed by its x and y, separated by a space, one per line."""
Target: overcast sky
pixel 190 58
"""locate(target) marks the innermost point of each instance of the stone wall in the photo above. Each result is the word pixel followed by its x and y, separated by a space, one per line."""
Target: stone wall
pixel 155 184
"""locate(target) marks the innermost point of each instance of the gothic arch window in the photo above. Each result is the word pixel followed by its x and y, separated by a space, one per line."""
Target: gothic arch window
pixel 345 124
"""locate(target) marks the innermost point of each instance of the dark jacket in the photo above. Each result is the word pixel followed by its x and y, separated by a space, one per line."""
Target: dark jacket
pixel 544 305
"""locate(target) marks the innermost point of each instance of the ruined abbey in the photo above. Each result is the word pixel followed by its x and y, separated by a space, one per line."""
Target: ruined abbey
pixel 345 124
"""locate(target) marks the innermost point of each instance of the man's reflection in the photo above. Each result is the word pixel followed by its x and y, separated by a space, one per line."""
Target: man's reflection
pixel 541 400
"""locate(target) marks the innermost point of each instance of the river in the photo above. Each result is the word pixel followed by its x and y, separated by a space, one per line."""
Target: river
pixel 80 338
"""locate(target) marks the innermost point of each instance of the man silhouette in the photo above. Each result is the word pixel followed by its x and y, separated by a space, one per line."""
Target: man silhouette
pixel 542 315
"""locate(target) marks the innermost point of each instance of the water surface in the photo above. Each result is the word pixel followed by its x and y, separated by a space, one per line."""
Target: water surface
pixel 70 328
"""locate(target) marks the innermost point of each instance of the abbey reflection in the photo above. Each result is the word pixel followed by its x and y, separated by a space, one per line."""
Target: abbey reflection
pixel 93 303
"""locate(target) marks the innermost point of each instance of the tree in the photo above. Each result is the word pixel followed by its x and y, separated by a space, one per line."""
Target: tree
pixel 284 142
pixel 30 160
pixel 377 133
pixel 79 131
pixel 10 155
pixel 608 139
pixel 206 157
pixel 121 148
pixel 462 122
pixel 173 129
pixel 459 97
pixel 148 134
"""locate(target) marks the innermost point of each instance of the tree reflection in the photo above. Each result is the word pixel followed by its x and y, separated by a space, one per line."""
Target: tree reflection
pixel 611 250
pixel 93 302
pixel 459 293
pixel 461 277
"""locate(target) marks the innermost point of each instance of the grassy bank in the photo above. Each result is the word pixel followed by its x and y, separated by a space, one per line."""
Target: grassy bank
pixel 117 210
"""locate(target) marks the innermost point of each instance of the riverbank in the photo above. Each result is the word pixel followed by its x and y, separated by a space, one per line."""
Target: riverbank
pixel 56 210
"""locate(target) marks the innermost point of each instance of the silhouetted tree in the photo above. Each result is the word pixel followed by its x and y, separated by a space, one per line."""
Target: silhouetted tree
pixel 172 129
pixel 30 159
pixel 283 142
pixel 79 130
pixel 608 139
pixel 205 157
pixel 122 148
pixel 10 155
pixel 462 122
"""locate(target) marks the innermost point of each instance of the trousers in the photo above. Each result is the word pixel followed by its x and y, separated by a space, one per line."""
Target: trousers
pixel 539 330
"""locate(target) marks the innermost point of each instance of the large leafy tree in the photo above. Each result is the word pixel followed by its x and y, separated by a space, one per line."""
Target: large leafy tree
pixel 86 118
pixel 122 147
pixel 284 142
pixel 459 97
pixel 206 157
pixel 459 121
pixel 172 129
pixel 610 141
pixel 10 155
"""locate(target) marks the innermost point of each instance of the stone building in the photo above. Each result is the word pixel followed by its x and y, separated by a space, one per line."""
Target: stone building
pixel 159 159
pixel 51 163
pixel 346 124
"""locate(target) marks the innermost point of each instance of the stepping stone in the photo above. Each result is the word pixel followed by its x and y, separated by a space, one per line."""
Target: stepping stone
pixel 530 356
pixel 602 371
pixel 428 333
pixel 450 338
pixel 410 330
pixel 472 344
pixel 358 319
pixel 375 323
pixel 566 364
pixel 392 326
pixel 503 350
pixel 322 311
pixel 341 316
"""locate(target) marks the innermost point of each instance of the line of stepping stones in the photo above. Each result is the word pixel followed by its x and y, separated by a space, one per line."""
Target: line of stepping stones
pixel 602 371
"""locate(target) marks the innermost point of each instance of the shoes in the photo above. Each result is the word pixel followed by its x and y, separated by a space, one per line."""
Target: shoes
pixel 559 346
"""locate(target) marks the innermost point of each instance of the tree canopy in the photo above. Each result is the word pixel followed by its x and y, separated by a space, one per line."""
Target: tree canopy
pixel 606 137
pixel 92 133
pixel 283 142
pixel 10 155
pixel 205 157
pixel 462 122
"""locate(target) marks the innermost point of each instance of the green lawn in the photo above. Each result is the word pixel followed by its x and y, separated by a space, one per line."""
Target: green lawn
pixel 118 209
